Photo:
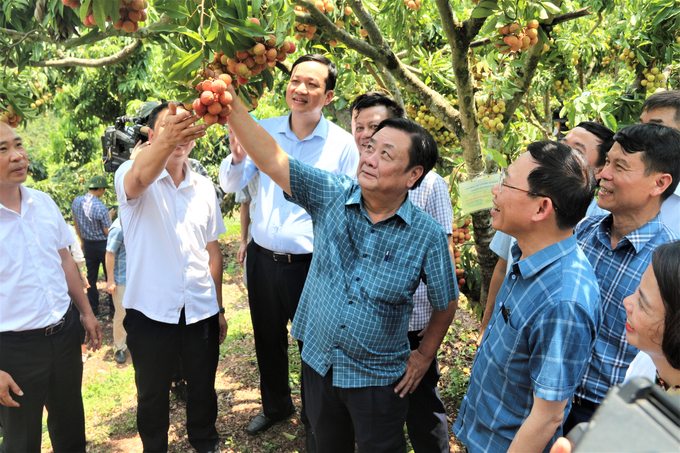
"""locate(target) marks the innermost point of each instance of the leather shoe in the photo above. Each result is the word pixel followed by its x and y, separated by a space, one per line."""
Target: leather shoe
pixel 262 423
pixel 119 356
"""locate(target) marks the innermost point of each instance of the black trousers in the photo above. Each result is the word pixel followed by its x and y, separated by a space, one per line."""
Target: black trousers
pixel 373 416
pixel 579 414
pixel 274 290
pixel 49 370
pixel 426 418
pixel 95 255
pixel 155 348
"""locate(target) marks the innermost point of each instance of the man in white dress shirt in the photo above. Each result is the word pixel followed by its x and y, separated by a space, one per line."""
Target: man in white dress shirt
pixel 281 251
pixel 173 298
pixel 40 361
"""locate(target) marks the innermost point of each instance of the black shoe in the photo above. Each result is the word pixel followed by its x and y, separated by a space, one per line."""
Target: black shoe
pixel 262 423
pixel 119 356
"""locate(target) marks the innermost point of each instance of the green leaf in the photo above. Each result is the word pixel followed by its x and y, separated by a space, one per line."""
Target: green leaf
pixel 244 27
pixel 185 66
pixel 480 13
pixel 289 436
pixel 609 120
pixel 497 156
pixel 490 25
pixel 173 9
pixel 82 13
pixel 255 8
pixel 98 9
pixel 242 8
pixel 214 28
pixel 543 14
pixel 551 7
pixel 268 79
pixel 488 4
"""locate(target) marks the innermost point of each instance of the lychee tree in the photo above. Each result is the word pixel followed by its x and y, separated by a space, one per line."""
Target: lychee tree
pixel 485 76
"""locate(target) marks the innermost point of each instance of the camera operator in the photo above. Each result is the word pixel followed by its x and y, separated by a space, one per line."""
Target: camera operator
pixel 173 299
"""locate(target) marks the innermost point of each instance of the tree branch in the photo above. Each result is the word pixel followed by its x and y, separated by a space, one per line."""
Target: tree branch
pixel 375 37
pixel 537 123
pixel 597 24
pixel 377 78
pixel 88 63
pixel 391 85
pixel 321 21
pixel 144 32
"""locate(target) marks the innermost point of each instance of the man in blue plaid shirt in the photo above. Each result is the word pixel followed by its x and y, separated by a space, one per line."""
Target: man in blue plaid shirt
pixel 547 312
pixel 372 247
pixel 642 170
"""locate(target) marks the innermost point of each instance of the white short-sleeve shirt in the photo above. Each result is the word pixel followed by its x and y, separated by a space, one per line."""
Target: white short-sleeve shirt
pixel 166 232
pixel 33 290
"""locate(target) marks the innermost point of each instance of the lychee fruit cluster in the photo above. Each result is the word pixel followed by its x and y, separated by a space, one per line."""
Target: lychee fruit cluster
pixel 130 12
pixel 252 62
pixel 561 86
pixel 413 5
pixel 653 78
pixel 214 101
pixel 425 118
pixel 490 113
pixel 461 234
pixel 629 58
pixel 8 116
pixel 512 38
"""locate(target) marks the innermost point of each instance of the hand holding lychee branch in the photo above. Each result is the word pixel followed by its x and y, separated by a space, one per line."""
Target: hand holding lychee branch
pixel 178 128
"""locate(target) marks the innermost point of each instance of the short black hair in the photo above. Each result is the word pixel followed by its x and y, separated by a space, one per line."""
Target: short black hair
pixel 360 98
pixel 394 110
pixel 563 176
pixel 153 116
pixel 660 148
pixel 666 267
pixel 423 150
pixel 664 99
pixel 332 70
pixel 604 134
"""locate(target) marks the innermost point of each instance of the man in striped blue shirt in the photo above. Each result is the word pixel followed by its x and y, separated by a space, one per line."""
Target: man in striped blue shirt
pixel 372 247
pixel 641 171
pixel 547 312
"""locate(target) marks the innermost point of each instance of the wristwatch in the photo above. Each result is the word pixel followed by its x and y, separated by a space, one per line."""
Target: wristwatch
pixel 221 310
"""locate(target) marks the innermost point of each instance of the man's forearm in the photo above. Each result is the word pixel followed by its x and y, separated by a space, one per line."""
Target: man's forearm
pixel 436 330
pixel 261 147
pixel 216 267
pixel 245 220
pixel 149 165
pixel 110 260
pixel 75 287
pixel 494 286
pixel 539 427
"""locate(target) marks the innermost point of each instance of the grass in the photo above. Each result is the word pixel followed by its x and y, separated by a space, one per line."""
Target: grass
pixel 233 227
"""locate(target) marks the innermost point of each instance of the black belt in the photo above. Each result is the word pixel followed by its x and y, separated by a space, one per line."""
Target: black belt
pixel 586 404
pixel 283 257
pixel 43 331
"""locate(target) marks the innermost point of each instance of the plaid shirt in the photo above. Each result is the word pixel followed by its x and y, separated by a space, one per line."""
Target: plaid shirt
pixel 92 217
pixel 618 273
pixel 543 347
pixel 354 310
pixel 432 196
pixel 116 245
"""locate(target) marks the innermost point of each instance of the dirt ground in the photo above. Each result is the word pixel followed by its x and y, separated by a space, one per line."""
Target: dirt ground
pixel 237 384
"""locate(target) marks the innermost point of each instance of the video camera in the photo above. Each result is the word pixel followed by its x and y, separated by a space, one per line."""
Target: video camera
pixel 118 141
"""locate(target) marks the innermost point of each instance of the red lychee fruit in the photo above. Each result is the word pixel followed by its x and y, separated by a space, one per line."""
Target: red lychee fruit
pixel 254 20
pixel 210 119
pixel 215 108
pixel 242 80
pixel 199 107
pixel 225 98
pixel 242 70
pixel 293 48
pixel 259 49
pixel 207 86
pixel 128 26
pixel 249 62
pixel 218 86
pixel 207 98
pixel 226 78
pixel 242 55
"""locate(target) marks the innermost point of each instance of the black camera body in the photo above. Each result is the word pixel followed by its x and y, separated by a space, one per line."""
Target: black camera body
pixel 119 141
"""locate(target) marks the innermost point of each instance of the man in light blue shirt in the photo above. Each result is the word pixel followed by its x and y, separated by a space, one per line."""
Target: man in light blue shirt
pixel 547 311
pixel 281 251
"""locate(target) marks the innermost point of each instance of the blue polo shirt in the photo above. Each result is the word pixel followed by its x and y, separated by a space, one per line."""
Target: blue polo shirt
pixel 554 315
pixel 618 272
pixel 355 308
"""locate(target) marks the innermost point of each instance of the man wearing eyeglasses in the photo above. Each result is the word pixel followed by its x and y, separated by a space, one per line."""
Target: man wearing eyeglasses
pixel 540 336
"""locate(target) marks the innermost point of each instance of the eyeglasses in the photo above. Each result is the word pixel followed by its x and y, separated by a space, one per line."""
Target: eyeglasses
pixel 501 183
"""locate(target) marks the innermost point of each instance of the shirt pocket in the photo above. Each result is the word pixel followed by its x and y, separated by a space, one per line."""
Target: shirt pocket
pixel 505 349
pixel 393 282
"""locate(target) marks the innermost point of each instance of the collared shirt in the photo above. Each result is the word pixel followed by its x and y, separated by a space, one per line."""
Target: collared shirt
pixel 354 310
pixel 75 249
pixel 670 211
pixel 432 196
pixel 116 246
pixel 166 232
pixel 554 315
pixel 618 273
pixel 92 217
pixel 33 290
pixel 279 225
